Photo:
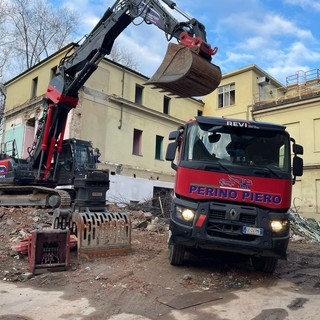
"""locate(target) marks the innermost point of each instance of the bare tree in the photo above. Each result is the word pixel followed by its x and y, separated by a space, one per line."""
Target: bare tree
pixel 2 106
pixel 3 39
pixel 35 29
pixel 31 30
pixel 120 55
pixel 3 59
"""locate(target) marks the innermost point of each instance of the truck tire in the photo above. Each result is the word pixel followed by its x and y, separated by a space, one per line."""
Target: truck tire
pixel 264 264
pixel 176 254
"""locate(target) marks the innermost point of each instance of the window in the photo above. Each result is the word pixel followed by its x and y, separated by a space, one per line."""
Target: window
pixel 53 72
pixel 226 95
pixel 139 94
pixel 34 87
pixel 166 104
pixel 199 114
pixel 159 145
pixel 137 141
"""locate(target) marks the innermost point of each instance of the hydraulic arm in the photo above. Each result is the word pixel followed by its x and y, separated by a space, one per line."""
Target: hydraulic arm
pixel 185 71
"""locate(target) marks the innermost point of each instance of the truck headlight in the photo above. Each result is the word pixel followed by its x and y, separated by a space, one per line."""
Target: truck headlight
pixel 185 213
pixel 278 225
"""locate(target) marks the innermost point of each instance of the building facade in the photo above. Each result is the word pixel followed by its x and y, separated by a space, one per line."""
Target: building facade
pixel 250 93
pixel 297 107
pixel 128 121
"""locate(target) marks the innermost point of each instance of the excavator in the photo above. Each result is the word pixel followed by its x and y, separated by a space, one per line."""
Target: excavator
pixel 61 173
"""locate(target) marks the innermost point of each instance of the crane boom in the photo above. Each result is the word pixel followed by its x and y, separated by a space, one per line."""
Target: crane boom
pixel 62 174
pixel 74 70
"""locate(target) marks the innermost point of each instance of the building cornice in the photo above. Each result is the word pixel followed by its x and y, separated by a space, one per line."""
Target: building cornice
pixel 126 103
pixel 311 166
pixel 27 106
pixel 252 67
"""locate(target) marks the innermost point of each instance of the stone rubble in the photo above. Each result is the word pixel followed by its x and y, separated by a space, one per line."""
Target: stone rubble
pixel 304 228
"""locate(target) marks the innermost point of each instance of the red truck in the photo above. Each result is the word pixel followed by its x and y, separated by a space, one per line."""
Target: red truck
pixel 232 188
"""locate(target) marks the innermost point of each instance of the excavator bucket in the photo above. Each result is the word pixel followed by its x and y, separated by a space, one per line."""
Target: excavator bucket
pixel 186 74
pixel 102 233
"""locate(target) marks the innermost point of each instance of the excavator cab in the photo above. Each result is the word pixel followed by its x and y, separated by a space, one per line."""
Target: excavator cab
pixel 185 73
pixel 75 159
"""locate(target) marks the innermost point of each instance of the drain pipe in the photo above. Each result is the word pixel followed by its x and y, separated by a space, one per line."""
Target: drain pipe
pixel 122 93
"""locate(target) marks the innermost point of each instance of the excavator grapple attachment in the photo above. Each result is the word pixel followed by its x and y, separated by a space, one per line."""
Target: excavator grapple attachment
pixel 102 233
pixel 185 73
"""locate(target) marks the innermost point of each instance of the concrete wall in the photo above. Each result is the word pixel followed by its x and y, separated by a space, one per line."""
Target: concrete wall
pixel 247 91
pixel 19 89
pixel 107 115
pixel 124 189
pixel 303 123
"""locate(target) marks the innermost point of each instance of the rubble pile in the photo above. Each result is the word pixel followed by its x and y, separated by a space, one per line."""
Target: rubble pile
pixel 16 224
pixel 304 228
pixel 159 205
pixel 147 221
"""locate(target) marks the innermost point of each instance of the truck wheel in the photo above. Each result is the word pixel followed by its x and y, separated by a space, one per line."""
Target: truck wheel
pixel 176 254
pixel 265 264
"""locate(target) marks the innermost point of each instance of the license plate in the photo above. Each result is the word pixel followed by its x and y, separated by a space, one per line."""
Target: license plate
pixel 96 194
pixel 252 231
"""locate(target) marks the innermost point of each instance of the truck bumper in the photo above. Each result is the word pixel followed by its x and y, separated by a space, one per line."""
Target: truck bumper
pixel 226 235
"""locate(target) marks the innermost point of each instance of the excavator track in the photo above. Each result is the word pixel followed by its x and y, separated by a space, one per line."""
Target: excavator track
pixel 33 196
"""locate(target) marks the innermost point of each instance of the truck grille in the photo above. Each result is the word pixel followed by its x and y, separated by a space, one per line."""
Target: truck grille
pixel 226 221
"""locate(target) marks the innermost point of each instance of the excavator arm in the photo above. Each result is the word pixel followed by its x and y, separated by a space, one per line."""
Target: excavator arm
pixel 185 71
pixel 74 71
pixel 80 201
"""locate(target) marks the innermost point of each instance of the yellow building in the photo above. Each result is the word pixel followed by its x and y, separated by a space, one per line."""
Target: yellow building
pixel 128 121
pixel 251 93
pixel 238 91
pixel 297 107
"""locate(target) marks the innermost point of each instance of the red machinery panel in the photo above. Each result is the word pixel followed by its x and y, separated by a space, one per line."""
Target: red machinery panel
pixel 49 250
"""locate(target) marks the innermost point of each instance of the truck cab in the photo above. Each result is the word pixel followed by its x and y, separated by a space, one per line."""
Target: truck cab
pixel 232 188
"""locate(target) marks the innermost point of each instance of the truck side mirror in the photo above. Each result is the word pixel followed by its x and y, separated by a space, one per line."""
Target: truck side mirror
pixel 171 153
pixel 297 149
pixel 173 135
pixel 297 169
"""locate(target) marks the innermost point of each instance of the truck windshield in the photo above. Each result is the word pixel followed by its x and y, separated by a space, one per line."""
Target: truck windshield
pixel 232 148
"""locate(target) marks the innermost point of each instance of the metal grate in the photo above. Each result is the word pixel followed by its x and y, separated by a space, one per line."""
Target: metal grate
pixel 222 224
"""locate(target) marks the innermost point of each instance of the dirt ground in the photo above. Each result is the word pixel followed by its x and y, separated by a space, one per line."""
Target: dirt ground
pixel 141 281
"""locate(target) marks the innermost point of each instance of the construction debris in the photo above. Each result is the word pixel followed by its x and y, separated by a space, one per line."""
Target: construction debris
pixel 304 228
pixel 17 224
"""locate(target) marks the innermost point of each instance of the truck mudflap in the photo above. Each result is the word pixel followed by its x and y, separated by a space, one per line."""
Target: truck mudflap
pixel 102 233
pixel 185 73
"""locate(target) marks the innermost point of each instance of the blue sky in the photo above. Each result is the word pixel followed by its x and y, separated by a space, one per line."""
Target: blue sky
pixel 280 36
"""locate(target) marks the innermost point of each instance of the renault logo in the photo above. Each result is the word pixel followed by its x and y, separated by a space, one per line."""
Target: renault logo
pixel 233 215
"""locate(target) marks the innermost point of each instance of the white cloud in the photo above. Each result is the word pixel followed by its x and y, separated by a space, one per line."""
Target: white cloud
pixel 238 57
pixel 90 12
pixel 306 4
pixel 267 25
pixel 288 62
pixel 250 32
pixel 149 50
